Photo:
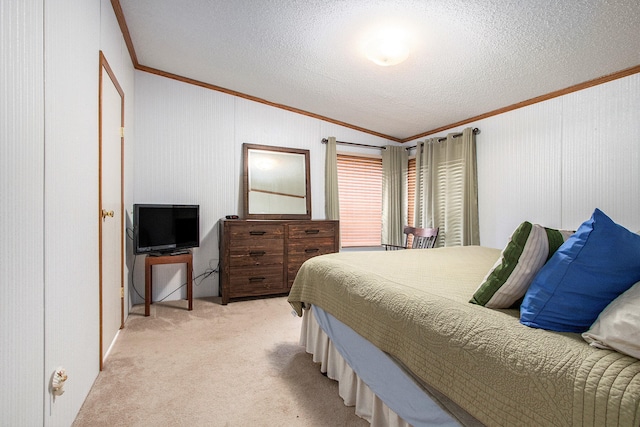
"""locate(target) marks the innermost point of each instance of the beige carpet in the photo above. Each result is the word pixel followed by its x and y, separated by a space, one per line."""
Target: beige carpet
pixel 233 365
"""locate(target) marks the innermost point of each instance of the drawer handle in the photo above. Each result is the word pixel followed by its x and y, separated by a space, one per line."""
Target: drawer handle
pixel 256 279
pixel 310 251
pixel 257 233
pixel 257 253
pixel 312 231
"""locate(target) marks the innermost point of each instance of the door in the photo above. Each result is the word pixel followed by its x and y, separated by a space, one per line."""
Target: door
pixel 111 215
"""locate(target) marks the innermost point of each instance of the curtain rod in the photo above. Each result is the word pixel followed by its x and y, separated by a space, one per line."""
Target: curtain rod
pixel 455 135
pixel 325 140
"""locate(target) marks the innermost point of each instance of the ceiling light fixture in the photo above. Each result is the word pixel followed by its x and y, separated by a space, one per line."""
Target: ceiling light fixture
pixel 387 47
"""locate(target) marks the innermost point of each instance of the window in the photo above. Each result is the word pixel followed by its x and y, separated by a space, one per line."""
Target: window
pixel 360 193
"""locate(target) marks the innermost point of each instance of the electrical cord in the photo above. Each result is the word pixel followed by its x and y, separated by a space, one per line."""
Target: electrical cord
pixel 130 236
pixel 133 285
pixel 202 276
pixel 208 272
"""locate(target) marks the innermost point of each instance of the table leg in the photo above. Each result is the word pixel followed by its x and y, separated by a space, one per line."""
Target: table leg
pixel 147 288
pixel 190 282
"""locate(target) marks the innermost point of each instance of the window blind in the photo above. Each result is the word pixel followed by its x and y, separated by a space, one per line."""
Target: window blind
pixel 411 190
pixel 360 194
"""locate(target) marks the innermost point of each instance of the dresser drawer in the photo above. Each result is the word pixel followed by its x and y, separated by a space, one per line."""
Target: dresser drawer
pixel 311 247
pixel 256 252
pixel 256 281
pixel 311 230
pixel 301 250
pixel 255 231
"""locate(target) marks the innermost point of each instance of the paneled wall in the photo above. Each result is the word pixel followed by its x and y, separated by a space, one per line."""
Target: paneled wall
pixel 71 227
pixel 601 153
pixel 189 150
pixel 21 213
pixel 550 163
pixel 49 180
pixel 75 32
pixel 555 162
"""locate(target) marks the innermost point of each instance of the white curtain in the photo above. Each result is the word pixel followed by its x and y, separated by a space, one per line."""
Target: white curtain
pixel 331 204
pixel 447 189
pixel 394 194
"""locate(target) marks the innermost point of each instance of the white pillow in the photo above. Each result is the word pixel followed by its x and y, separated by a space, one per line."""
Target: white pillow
pixel 618 326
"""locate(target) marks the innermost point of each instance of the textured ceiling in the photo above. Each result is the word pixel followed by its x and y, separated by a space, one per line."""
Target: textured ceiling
pixel 468 57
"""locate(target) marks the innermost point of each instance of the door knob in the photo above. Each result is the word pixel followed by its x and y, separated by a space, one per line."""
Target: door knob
pixel 106 213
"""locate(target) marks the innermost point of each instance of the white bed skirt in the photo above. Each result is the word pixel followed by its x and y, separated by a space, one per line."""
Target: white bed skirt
pixel 352 389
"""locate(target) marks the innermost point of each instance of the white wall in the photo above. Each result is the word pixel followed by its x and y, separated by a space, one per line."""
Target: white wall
pixel 21 213
pixel 554 162
pixel 70 202
pixel 49 154
pixel 75 32
pixel 545 163
pixel 189 150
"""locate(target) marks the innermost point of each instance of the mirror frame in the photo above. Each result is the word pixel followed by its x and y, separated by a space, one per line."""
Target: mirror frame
pixel 284 215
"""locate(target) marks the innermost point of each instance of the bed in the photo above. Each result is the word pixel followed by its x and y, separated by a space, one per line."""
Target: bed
pixel 451 362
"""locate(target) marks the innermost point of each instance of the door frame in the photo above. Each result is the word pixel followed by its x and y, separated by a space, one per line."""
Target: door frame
pixel 104 66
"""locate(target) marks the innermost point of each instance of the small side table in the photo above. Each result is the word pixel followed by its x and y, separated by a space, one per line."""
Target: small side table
pixel 166 259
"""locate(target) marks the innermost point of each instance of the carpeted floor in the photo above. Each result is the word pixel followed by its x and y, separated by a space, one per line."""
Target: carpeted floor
pixel 233 365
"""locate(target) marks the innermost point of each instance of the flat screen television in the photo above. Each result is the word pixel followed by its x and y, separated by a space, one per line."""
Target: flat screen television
pixel 162 229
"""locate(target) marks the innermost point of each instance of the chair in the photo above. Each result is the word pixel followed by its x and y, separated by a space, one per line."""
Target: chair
pixel 422 238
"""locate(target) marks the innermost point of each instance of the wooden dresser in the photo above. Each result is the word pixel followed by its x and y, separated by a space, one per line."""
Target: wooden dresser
pixel 262 257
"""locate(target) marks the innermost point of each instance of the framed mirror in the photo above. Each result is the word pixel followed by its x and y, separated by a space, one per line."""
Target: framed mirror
pixel 276 182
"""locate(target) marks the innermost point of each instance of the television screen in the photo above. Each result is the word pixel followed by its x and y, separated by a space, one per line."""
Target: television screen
pixel 165 228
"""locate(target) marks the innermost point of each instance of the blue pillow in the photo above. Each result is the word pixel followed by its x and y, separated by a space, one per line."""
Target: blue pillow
pixel 589 270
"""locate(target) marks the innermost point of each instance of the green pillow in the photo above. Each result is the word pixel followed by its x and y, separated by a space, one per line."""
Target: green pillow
pixel 528 249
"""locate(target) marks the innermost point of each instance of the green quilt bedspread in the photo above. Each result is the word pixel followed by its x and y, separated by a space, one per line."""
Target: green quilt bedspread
pixel 413 304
